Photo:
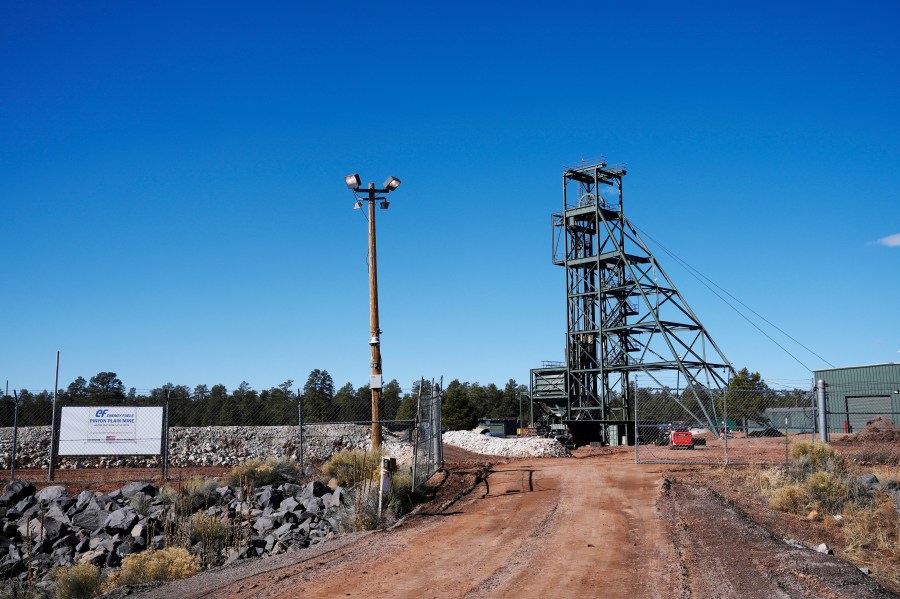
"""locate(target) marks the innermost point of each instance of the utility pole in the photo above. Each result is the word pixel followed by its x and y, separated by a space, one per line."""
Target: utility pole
pixel 376 380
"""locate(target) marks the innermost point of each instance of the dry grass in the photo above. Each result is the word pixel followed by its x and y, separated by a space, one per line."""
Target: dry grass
pixel 814 453
pixel 789 498
pixel 822 480
pixel 824 491
pixel 82 581
pixel 268 472
pixel 353 467
pixel 165 565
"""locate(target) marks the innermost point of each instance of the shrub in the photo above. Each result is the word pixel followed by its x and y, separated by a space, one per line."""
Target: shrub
pixel 209 530
pixel 814 453
pixel 141 504
pixel 82 581
pixel 353 466
pixel 212 535
pixel 363 512
pixel 789 498
pixel 165 565
pixel 827 490
pixel 401 498
pixel 259 473
pixel 199 492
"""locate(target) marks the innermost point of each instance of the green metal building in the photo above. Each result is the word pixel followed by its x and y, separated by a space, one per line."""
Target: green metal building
pixel 857 394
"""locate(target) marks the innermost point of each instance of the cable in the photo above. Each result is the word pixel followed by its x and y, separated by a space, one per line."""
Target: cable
pixel 697 275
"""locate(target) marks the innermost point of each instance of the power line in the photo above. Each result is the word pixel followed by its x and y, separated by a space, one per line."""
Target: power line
pixel 700 277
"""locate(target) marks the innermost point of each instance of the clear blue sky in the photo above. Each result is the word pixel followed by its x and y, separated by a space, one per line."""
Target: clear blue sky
pixel 171 180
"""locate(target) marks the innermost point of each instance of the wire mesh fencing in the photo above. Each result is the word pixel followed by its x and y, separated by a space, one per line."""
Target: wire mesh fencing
pixel 702 426
pixel 428 449
pixel 853 406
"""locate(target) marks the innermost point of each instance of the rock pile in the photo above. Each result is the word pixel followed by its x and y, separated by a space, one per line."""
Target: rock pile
pixel 213 446
pixel 49 528
pixel 514 447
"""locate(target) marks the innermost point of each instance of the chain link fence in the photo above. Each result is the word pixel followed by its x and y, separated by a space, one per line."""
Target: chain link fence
pixel 428 449
pixel 214 431
pixel 703 426
pixel 120 436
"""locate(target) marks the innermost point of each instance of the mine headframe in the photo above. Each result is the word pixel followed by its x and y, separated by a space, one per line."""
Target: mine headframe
pixel 624 315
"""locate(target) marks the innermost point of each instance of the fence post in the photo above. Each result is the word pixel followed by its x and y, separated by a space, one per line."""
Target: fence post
pixel 415 439
pixel 300 428
pixel 12 463
pixel 637 429
pixel 51 470
pixel 823 420
pixel 164 457
pixel 725 422
pixel 436 419
pixel 54 439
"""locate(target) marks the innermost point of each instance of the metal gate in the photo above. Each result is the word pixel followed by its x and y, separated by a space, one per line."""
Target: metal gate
pixel 428 448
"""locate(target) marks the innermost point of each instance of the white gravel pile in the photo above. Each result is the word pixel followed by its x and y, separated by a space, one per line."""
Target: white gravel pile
pixel 513 447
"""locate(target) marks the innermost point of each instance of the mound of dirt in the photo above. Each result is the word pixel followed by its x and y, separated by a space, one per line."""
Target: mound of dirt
pixel 766 432
pixel 879 429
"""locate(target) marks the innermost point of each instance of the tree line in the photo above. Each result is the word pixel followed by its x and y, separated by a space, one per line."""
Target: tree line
pixel 319 401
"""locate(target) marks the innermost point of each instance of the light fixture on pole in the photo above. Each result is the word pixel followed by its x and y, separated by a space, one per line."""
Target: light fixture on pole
pixel 376 380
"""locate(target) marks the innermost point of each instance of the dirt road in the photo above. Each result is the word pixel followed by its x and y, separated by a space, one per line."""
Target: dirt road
pixel 591 527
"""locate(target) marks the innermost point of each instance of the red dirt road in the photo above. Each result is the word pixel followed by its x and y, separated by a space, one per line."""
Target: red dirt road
pixel 550 527
pixel 577 528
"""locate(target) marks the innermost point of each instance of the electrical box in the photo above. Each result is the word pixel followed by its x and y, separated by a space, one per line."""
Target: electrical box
pixel 375 381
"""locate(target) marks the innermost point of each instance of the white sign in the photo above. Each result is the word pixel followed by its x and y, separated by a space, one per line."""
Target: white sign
pixel 110 430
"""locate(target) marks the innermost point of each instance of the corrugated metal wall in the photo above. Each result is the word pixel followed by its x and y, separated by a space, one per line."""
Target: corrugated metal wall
pixel 858 394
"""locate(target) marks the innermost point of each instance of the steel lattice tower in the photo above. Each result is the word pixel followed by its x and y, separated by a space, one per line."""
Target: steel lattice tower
pixel 624 315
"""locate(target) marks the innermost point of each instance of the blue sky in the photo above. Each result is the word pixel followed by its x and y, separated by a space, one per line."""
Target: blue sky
pixel 171 180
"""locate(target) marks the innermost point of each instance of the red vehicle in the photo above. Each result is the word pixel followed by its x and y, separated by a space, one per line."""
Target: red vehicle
pixel 681 440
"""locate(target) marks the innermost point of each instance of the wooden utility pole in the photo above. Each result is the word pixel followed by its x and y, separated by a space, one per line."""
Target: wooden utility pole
pixel 375 340
pixel 376 381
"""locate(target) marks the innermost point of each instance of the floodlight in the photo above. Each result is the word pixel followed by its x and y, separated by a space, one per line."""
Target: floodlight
pixel 352 181
pixel 385 204
pixel 392 183
pixel 357 204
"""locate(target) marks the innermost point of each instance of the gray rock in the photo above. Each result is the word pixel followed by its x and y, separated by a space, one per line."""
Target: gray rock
pixel 269 497
pixel 54 529
pixel 113 560
pixel 56 512
pixel 81 502
pixel 289 504
pixel 283 530
pixel 15 491
pixel 263 524
pixel 313 489
pixel 96 557
pixel 121 520
pixel 290 489
pixel 132 489
pixel 51 493
pixel 823 548
pixel 25 503
pixel 91 519
pixel 332 499
pixel 31 529
pixel 68 540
